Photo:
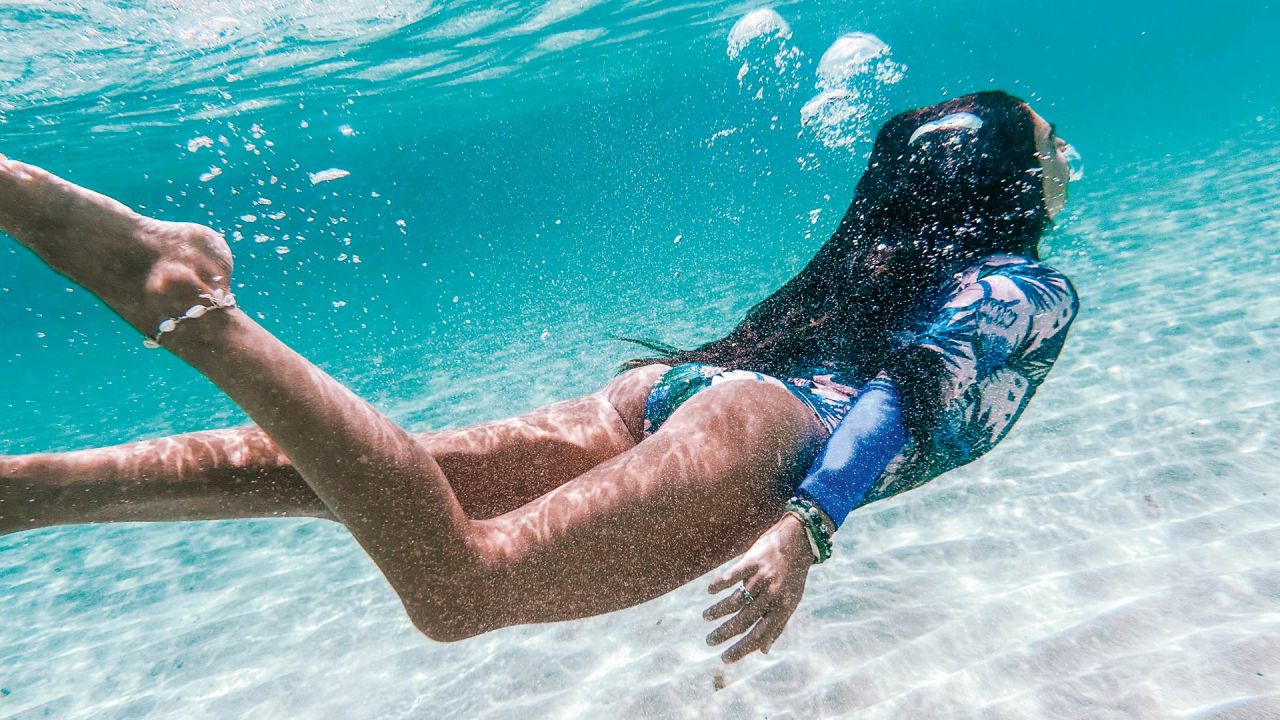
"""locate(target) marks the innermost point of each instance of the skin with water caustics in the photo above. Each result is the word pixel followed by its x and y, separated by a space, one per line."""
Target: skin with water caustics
pixel 586 518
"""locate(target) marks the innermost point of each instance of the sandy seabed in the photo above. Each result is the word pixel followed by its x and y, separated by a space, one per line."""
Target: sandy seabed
pixel 1118 556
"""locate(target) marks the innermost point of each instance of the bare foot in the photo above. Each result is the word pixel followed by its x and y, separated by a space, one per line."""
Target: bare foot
pixel 146 270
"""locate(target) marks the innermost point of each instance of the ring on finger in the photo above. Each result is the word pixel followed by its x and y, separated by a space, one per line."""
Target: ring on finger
pixel 746 595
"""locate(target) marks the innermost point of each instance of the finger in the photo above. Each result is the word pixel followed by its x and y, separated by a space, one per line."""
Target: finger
pixel 731 604
pixel 751 642
pixel 736 625
pixel 748 600
pixel 777 623
pixel 735 575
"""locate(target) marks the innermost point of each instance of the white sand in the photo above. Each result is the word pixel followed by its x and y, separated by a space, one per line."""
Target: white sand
pixel 1118 556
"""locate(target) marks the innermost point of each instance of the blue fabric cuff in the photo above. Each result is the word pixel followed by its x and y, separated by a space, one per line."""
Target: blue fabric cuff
pixel 859 450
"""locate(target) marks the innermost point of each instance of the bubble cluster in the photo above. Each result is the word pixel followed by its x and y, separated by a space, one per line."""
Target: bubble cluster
pixel 761 40
pixel 851 76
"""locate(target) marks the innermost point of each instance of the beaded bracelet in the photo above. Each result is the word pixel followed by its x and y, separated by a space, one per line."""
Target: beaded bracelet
pixel 220 300
pixel 811 517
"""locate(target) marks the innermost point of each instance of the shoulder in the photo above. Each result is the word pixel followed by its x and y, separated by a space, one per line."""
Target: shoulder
pixel 1040 285
pixel 1020 267
pixel 1042 295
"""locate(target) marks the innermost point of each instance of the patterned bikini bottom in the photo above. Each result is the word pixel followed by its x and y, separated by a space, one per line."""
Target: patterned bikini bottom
pixel 828 402
pixel 966 427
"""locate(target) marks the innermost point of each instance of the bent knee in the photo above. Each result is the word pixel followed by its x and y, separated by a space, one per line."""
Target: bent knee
pixel 443 631
pixel 461 604
pixel 448 622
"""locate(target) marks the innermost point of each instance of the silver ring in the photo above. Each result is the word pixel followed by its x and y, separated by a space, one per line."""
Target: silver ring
pixel 746 595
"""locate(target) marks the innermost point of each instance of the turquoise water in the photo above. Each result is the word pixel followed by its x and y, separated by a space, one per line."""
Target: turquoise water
pixel 528 179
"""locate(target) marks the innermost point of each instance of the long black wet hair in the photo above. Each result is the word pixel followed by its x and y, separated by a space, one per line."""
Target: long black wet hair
pixel 921 213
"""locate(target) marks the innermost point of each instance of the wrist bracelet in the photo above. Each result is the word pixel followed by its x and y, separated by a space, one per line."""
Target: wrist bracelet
pixel 811 517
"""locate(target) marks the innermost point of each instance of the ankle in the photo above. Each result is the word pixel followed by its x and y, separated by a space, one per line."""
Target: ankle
pixel 208 333
pixel 186 266
pixel 216 300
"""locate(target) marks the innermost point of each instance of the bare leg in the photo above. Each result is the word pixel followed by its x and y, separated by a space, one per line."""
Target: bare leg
pixel 628 530
pixel 198 476
pixel 493 467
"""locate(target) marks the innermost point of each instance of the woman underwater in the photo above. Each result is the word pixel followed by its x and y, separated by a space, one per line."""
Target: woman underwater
pixel 908 346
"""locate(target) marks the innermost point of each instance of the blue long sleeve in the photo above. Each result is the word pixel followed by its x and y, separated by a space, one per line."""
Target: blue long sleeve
pixel 859 450
pixel 998 332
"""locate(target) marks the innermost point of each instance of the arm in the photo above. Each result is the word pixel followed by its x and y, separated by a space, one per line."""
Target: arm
pixel 1009 321
pixel 971 370
pixel 776 568
pixel 858 451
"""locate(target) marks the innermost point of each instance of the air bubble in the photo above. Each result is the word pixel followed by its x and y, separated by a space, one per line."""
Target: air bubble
pixel 327 175
pixel 851 77
pixel 760 40
pixel 850 55
pixel 758 23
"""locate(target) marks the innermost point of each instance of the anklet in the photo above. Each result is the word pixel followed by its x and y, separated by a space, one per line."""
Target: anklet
pixel 220 299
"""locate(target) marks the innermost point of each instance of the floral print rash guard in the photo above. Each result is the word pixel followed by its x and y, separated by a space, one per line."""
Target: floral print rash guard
pixel 999 328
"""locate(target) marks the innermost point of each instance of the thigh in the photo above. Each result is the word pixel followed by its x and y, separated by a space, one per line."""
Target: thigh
pixel 498 466
pixel 696 493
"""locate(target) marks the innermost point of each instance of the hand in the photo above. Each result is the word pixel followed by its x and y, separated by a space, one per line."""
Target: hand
pixel 774 571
